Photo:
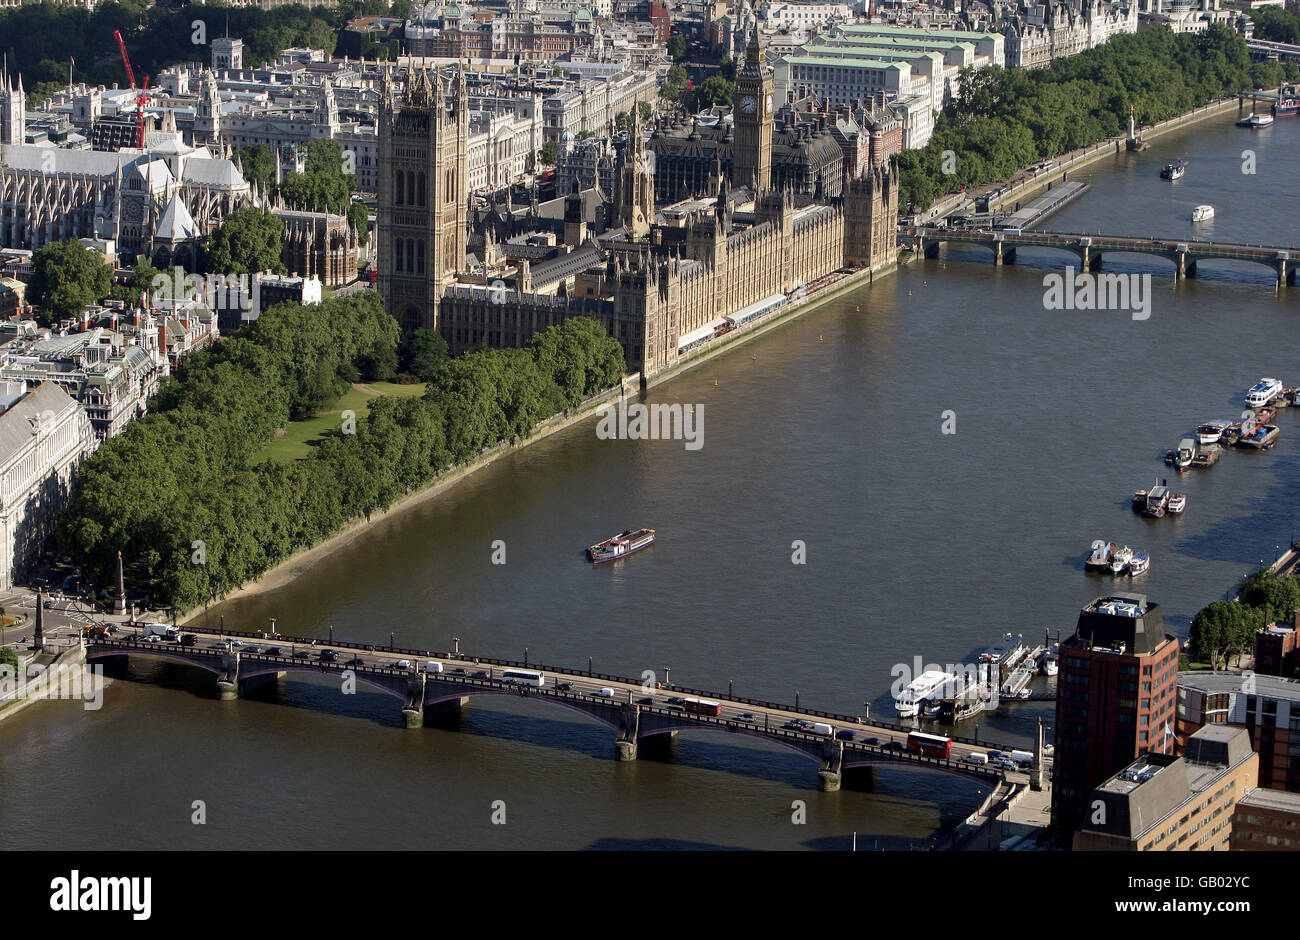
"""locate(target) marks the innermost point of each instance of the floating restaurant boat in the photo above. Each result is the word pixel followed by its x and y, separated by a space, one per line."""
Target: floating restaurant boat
pixel 1099 557
pixel 1140 562
pixel 1177 503
pixel 1203 213
pixel 1120 559
pixel 1211 431
pixel 1261 437
pixel 1174 171
pixel 1256 120
pixel 910 699
pixel 618 546
pixel 1288 102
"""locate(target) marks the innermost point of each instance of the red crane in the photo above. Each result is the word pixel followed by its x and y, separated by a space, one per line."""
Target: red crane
pixel 141 98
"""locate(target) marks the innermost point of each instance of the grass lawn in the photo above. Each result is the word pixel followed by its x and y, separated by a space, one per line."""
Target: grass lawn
pixel 301 436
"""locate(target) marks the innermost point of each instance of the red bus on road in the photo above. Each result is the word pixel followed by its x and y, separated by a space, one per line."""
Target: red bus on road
pixel 700 706
pixel 931 745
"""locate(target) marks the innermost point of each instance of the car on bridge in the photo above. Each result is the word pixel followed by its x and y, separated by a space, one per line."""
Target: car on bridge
pixel 564 687
pixel 302 654
pixel 846 734
pixel 253 649
pixel 646 700
pixel 795 724
pixel 329 656
pixel 893 746
pixel 273 651
pixel 749 717
pixel 355 661
pixel 676 701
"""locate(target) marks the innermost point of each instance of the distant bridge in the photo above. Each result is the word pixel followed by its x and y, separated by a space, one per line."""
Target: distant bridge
pixel 636 713
pixel 1264 49
pixel 1185 254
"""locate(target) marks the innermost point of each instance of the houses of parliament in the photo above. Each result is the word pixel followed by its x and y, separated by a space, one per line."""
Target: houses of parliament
pixel 652 274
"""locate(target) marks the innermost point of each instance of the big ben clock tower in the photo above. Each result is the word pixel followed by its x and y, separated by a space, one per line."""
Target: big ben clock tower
pixel 751 163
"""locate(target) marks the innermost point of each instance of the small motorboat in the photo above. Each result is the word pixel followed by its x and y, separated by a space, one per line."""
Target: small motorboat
pixel 1203 213
pixel 1119 561
pixel 1177 503
pixel 1256 120
pixel 1211 431
pixel 1140 562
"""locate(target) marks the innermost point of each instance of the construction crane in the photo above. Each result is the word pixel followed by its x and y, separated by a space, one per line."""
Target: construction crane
pixel 141 96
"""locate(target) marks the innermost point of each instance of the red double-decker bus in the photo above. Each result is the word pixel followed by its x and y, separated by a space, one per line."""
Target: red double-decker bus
pixel 931 745
pixel 700 706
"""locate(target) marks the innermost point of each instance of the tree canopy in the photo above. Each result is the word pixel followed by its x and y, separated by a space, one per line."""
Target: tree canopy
pixel 248 241
pixel 67 276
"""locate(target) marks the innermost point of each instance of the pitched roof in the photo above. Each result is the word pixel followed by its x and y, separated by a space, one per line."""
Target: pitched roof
pixel 176 223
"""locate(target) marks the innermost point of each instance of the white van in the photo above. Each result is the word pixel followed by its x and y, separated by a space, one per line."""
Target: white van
pixel 976 758
pixel 431 666
pixel 1022 757
pixel 608 693
pixel 402 664
pixel 820 727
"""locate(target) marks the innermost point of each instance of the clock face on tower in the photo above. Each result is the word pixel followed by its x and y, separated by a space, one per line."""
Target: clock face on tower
pixel 748 104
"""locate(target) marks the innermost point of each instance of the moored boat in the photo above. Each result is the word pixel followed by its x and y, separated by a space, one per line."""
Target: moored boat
pixel 1139 563
pixel 1119 560
pixel 1261 437
pixel 1139 500
pixel 1177 502
pixel 619 546
pixel 1202 213
pixel 1256 120
pixel 1157 502
pixel 910 699
pixel 1211 431
pixel 1174 171
pixel 1263 392
pixel 1099 556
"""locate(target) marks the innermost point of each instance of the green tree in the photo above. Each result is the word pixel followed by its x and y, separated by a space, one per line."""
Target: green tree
pixel 67 276
pixel 550 153
pixel 674 83
pixel 1223 629
pixel 646 110
pixel 622 120
pixel 9 661
pixel 1277 597
pixel 714 90
pixel 677 48
pixel 248 241
pixel 257 163
pixel 423 353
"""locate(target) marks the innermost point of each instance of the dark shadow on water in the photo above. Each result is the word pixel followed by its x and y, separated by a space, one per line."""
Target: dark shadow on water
pixel 612 844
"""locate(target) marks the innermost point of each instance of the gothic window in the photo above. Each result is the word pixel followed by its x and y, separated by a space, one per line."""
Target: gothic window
pixel 400 184
pixel 421 190
pixel 410 189
pixel 410 254
pixel 397 254
pixel 419 252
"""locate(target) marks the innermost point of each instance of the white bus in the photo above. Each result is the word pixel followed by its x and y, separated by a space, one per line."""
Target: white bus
pixel 524 677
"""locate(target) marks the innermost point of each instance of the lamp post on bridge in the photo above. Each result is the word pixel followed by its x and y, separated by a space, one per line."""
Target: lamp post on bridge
pixel 390 641
pixel 331 634
pixel 796 700
pixel 731 688
pixel 525 656
pixel 456 645
pixel 588 665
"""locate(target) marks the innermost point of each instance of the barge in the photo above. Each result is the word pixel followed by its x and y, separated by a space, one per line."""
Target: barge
pixel 620 546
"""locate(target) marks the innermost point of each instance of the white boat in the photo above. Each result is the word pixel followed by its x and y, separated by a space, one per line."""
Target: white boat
pixel 1050 666
pixel 1256 120
pixel 1202 213
pixel 1139 563
pixel 1177 503
pixel 1119 561
pixel 1099 556
pixel 1263 392
pixel 908 701
pixel 1211 431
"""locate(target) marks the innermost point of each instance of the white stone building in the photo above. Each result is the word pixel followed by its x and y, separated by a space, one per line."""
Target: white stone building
pixel 44 437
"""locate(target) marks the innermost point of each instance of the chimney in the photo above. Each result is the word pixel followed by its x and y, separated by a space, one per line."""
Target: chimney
pixel 85 320
pixel 136 318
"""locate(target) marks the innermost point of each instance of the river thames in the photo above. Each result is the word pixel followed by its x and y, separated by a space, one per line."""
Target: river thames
pixel 829 431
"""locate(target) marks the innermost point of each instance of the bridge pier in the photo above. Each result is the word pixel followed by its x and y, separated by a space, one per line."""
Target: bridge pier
pixel 930 247
pixel 258 682
pixel 997 250
pixel 228 680
pixel 829 776
pixel 629 723
pixel 1009 255
pixel 413 707
pixel 442 709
